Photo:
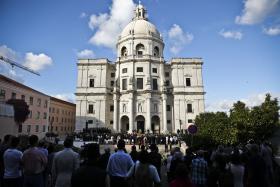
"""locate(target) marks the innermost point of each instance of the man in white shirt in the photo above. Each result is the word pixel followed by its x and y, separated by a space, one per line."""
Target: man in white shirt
pixel 12 162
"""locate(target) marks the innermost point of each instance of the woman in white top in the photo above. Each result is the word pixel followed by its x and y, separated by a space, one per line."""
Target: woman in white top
pixel 143 173
pixel 237 169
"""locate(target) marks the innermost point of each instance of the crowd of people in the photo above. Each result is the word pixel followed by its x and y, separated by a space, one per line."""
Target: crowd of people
pixel 37 165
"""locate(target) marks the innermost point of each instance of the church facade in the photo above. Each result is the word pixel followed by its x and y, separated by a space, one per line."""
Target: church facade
pixel 140 90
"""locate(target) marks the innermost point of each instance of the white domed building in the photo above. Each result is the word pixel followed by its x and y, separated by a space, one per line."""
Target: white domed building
pixel 140 91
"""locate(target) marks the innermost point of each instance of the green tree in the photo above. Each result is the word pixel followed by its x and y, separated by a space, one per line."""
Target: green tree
pixel 239 119
pixel 216 126
pixel 265 118
pixel 21 110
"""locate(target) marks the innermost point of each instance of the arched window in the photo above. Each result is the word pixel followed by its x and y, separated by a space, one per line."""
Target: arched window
pixel 140 49
pixel 124 51
pixel 156 51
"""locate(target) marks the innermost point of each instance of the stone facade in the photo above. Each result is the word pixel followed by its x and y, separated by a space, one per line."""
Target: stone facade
pixel 140 90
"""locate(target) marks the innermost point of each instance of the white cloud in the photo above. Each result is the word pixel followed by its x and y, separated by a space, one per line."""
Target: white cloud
pixel 178 38
pixel 95 21
pixel 255 11
pixel 109 26
pixel 83 15
pixel 70 97
pixel 6 69
pixel 272 31
pixel 37 62
pixel 86 53
pixel 251 101
pixel 231 34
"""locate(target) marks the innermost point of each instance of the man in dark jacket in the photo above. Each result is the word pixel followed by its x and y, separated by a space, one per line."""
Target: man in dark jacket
pixel 90 174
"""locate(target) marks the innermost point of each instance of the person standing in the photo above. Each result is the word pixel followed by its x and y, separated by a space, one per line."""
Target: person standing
pixel 90 174
pixel 12 162
pixel 143 173
pixel 3 147
pixel 65 162
pixel 34 163
pixel 155 158
pixel 134 153
pixel 118 166
pixel 199 170
pixel 104 158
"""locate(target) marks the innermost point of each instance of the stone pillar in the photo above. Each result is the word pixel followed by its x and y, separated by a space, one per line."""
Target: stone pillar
pixel 131 116
pixel 148 120
pixel 164 114
pixel 115 125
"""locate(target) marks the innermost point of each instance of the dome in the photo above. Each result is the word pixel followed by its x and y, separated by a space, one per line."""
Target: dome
pixel 140 27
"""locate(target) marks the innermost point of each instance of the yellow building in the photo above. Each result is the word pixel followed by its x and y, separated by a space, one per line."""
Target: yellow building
pixel 61 117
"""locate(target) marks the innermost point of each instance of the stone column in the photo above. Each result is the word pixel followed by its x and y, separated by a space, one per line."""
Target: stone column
pixel 148 120
pixel 115 125
pixel 131 116
pixel 164 114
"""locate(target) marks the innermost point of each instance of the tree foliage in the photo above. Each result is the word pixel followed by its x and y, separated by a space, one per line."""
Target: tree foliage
pixel 241 124
pixel 21 110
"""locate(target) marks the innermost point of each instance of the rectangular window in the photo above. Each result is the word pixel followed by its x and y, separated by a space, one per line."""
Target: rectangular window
pixel 188 81
pixel 30 114
pixel 61 128
pixel 91 82
pixel 167 83
pixel 168 121
pixel 139 83
pixel 45 115
pixel 38 115
pixel 56 128
pixel 168 108
pixel 155 85
pixel 111 108
pixel 166 74
pixel 57 111
pixel 28 128
pixel 139 53
pixel 14 95
pixel 44 128
pixel 190 120
pixel 111 122
pixel 189 108
pixel 46 104
pixel 112 83
pixel 38 102
pixel 31 101
pixel 112 75
pixel 90 109
pixel 154 70
pixel 23 97
pixel 37 128
pixel 2 94
pixel 56 119
pixel 139 69
pixel 124 70
pixel 20 128
pixel 124 84
pixel 90 121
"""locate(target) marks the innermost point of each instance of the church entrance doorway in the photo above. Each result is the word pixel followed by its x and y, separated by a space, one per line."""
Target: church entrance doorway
pixel 140 124
pixel 124 124
pixel 155 124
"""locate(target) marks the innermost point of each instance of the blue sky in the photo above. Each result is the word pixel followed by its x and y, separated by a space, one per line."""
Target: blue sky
pixel 238 40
